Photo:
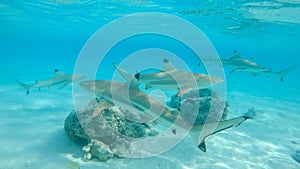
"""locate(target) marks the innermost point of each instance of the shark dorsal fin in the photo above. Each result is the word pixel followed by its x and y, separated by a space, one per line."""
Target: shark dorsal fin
pixel 236 55
pixel 128 77
pixel 137 76
pixel 168 66
pixel 58 72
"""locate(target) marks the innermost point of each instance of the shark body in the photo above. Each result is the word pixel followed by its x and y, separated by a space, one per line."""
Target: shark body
pixel 59 78
pixel 240 64
pixel 171 78
pixel 128 96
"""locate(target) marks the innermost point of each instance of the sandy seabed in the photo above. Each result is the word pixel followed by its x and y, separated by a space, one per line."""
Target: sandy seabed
pixel 32 136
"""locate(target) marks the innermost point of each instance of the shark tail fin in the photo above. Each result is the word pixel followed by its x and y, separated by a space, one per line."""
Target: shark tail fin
pixel 127 76
pixel 199 130
pixel 25 86
pixel 250 114
pixel 282 73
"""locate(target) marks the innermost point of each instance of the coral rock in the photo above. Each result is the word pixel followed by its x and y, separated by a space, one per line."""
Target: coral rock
pixel 210 106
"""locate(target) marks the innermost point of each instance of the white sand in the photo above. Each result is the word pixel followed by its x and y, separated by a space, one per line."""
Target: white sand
pixel 32 135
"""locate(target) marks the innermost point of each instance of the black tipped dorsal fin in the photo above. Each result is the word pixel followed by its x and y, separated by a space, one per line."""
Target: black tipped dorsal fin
pixel 236 54
pixel 58 72
pixel 137 76
pixel 168 66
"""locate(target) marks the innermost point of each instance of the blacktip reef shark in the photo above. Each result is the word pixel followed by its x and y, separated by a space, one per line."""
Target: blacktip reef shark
pixel 114 94
pixel 240 64
pixel 59 78
pixel 165 79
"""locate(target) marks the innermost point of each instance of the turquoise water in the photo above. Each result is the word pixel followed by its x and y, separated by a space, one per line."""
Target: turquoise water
pixel 40 36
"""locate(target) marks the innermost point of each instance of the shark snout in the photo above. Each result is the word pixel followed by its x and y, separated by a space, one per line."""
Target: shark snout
pixel 79 77
pixel 88 83
pixel 216 80
pixel 219 80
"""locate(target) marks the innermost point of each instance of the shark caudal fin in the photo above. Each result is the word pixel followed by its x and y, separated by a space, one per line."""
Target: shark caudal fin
pixel 282 73
pixel 197 130
pixel 127 76
pixel 25 86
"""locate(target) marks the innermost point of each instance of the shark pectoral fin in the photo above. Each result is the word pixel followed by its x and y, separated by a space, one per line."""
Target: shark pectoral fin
pixel 97 112
pixel 127 76
pixel 237 70
pixel 65 84
pixel 183 91
pixel 102 105
pixel 147 86
pixel 168 66
pixel 281 79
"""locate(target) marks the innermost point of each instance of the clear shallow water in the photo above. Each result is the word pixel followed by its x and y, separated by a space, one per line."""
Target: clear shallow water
pixel 38 36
